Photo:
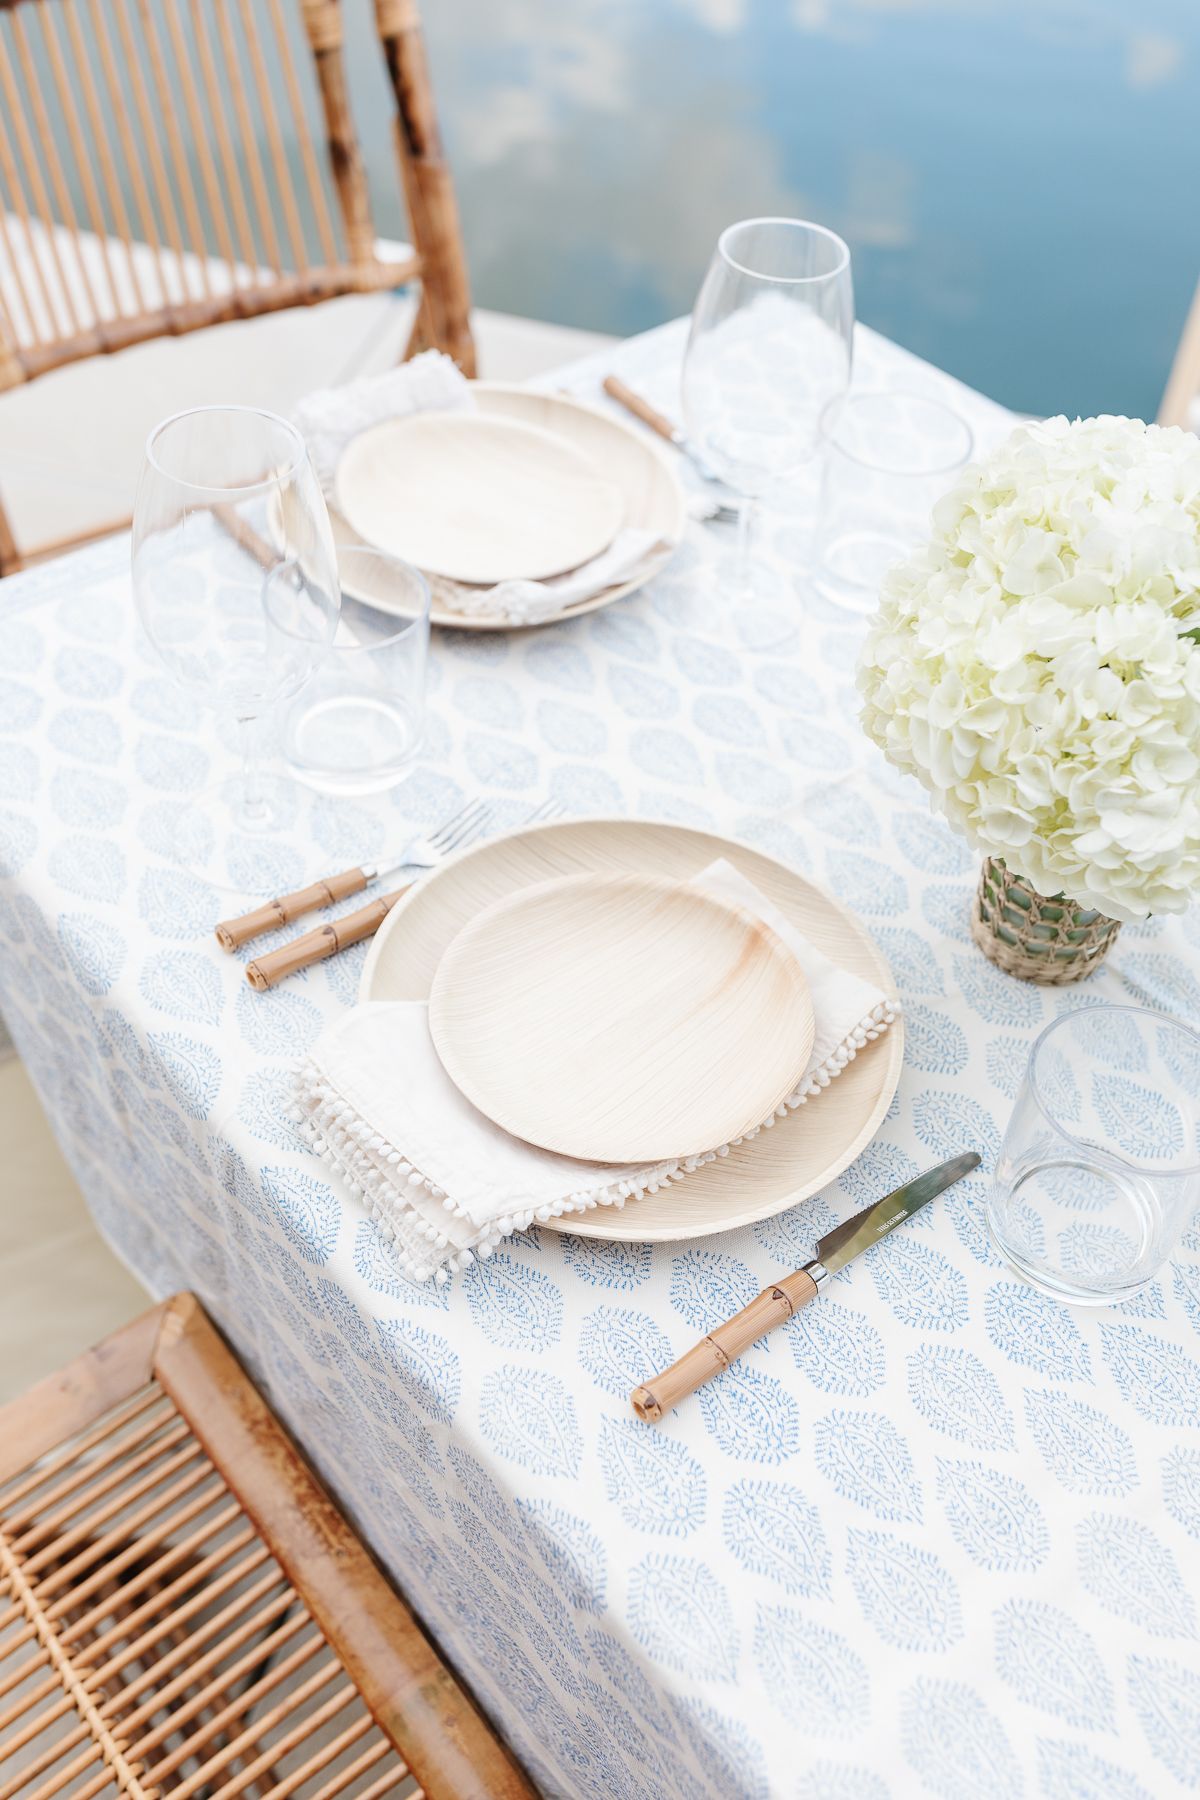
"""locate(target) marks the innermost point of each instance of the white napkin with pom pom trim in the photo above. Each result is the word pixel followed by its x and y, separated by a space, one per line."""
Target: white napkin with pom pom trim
pixel 444 1184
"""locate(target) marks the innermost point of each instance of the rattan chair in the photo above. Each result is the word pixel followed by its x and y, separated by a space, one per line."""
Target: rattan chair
pixel 185 1612
pixel 158 174
pixel 1181 399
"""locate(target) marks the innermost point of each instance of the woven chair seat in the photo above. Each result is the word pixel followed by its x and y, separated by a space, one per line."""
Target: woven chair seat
pixel 185 1612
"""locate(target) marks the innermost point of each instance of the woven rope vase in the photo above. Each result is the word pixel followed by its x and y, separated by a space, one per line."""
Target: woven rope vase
pixel 1038 939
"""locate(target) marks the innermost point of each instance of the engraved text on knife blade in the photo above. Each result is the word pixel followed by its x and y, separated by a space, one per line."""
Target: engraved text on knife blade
pixel 845 1241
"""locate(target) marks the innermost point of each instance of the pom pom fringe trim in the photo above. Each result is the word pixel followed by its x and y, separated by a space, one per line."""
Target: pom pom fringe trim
pixel 379 1175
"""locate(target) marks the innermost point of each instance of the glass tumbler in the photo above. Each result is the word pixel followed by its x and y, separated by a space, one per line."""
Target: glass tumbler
pixel 360 721
pixel 1099 1171
pixel 887 458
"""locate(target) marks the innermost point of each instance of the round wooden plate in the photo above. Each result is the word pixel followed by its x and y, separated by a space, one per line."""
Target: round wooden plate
pixel 800 1154
pixel 621 1018
pixel 630 457
pixel 476 499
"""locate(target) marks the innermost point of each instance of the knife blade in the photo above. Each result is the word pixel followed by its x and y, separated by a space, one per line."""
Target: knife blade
pixel 853 1236
pixel 775 1305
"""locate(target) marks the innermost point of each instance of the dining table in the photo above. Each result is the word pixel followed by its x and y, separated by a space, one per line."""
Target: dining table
pixel 939 1534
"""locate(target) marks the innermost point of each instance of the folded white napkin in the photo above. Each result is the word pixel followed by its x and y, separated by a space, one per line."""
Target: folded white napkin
pixel 529 602
pixel 445 1185
pixel 329 418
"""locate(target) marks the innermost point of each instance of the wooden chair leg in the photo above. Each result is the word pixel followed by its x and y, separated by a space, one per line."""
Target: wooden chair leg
pixel 444 316
pixel 423 332
pixel 74 540
pixel 10 556
pixel 1183 384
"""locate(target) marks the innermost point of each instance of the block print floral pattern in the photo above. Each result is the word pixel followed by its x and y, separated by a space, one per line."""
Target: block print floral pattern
pixel 937 1538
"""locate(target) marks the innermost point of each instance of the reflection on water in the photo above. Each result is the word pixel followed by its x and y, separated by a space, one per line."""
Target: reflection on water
pixel 1016 178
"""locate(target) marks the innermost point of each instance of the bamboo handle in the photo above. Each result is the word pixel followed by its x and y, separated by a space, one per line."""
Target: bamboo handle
pixel 232 933
pixel 641 409
pixel 713 1354
pixel 325 940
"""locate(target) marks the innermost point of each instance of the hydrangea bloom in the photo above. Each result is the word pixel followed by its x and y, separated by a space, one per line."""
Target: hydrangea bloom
pixel 1037 663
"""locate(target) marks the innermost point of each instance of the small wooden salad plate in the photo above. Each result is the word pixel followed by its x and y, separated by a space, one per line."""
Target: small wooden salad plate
pixel 621 1018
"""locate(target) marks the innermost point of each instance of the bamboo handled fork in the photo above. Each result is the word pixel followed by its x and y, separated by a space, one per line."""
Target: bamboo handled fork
pixel 334 935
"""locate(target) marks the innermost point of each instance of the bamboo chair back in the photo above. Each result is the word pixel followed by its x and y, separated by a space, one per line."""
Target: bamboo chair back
pixel 184 1612
pixel 158 173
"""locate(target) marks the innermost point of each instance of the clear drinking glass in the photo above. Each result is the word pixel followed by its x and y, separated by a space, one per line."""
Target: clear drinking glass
pixel 235 580
pixel 1099 1171
pixel 359 721
pixel 770 346
pixel 887 458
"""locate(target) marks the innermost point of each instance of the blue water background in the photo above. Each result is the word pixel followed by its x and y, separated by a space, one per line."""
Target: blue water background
pixel 1017 179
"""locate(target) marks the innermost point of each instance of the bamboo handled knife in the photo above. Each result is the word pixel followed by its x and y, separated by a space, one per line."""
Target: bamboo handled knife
pixel 775 1305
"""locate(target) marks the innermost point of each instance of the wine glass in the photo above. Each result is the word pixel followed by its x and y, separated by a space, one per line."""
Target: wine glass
pixel 236 584
pixel 769 347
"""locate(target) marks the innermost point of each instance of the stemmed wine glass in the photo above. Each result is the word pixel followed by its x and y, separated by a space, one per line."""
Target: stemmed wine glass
pixel 235 580
pixel 769 347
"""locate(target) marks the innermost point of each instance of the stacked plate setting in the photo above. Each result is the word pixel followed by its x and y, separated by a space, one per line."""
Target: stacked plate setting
pixel 524 487
pixel 589 1000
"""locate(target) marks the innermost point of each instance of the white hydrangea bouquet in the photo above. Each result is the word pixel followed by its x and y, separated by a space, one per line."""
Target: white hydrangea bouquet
pixel 1037 666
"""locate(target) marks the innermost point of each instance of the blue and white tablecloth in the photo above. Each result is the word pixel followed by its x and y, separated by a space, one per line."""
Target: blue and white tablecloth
pixel 939 1537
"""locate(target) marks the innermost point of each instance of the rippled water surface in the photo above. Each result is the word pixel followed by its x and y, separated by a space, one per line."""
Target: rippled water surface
pixel 1016 178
